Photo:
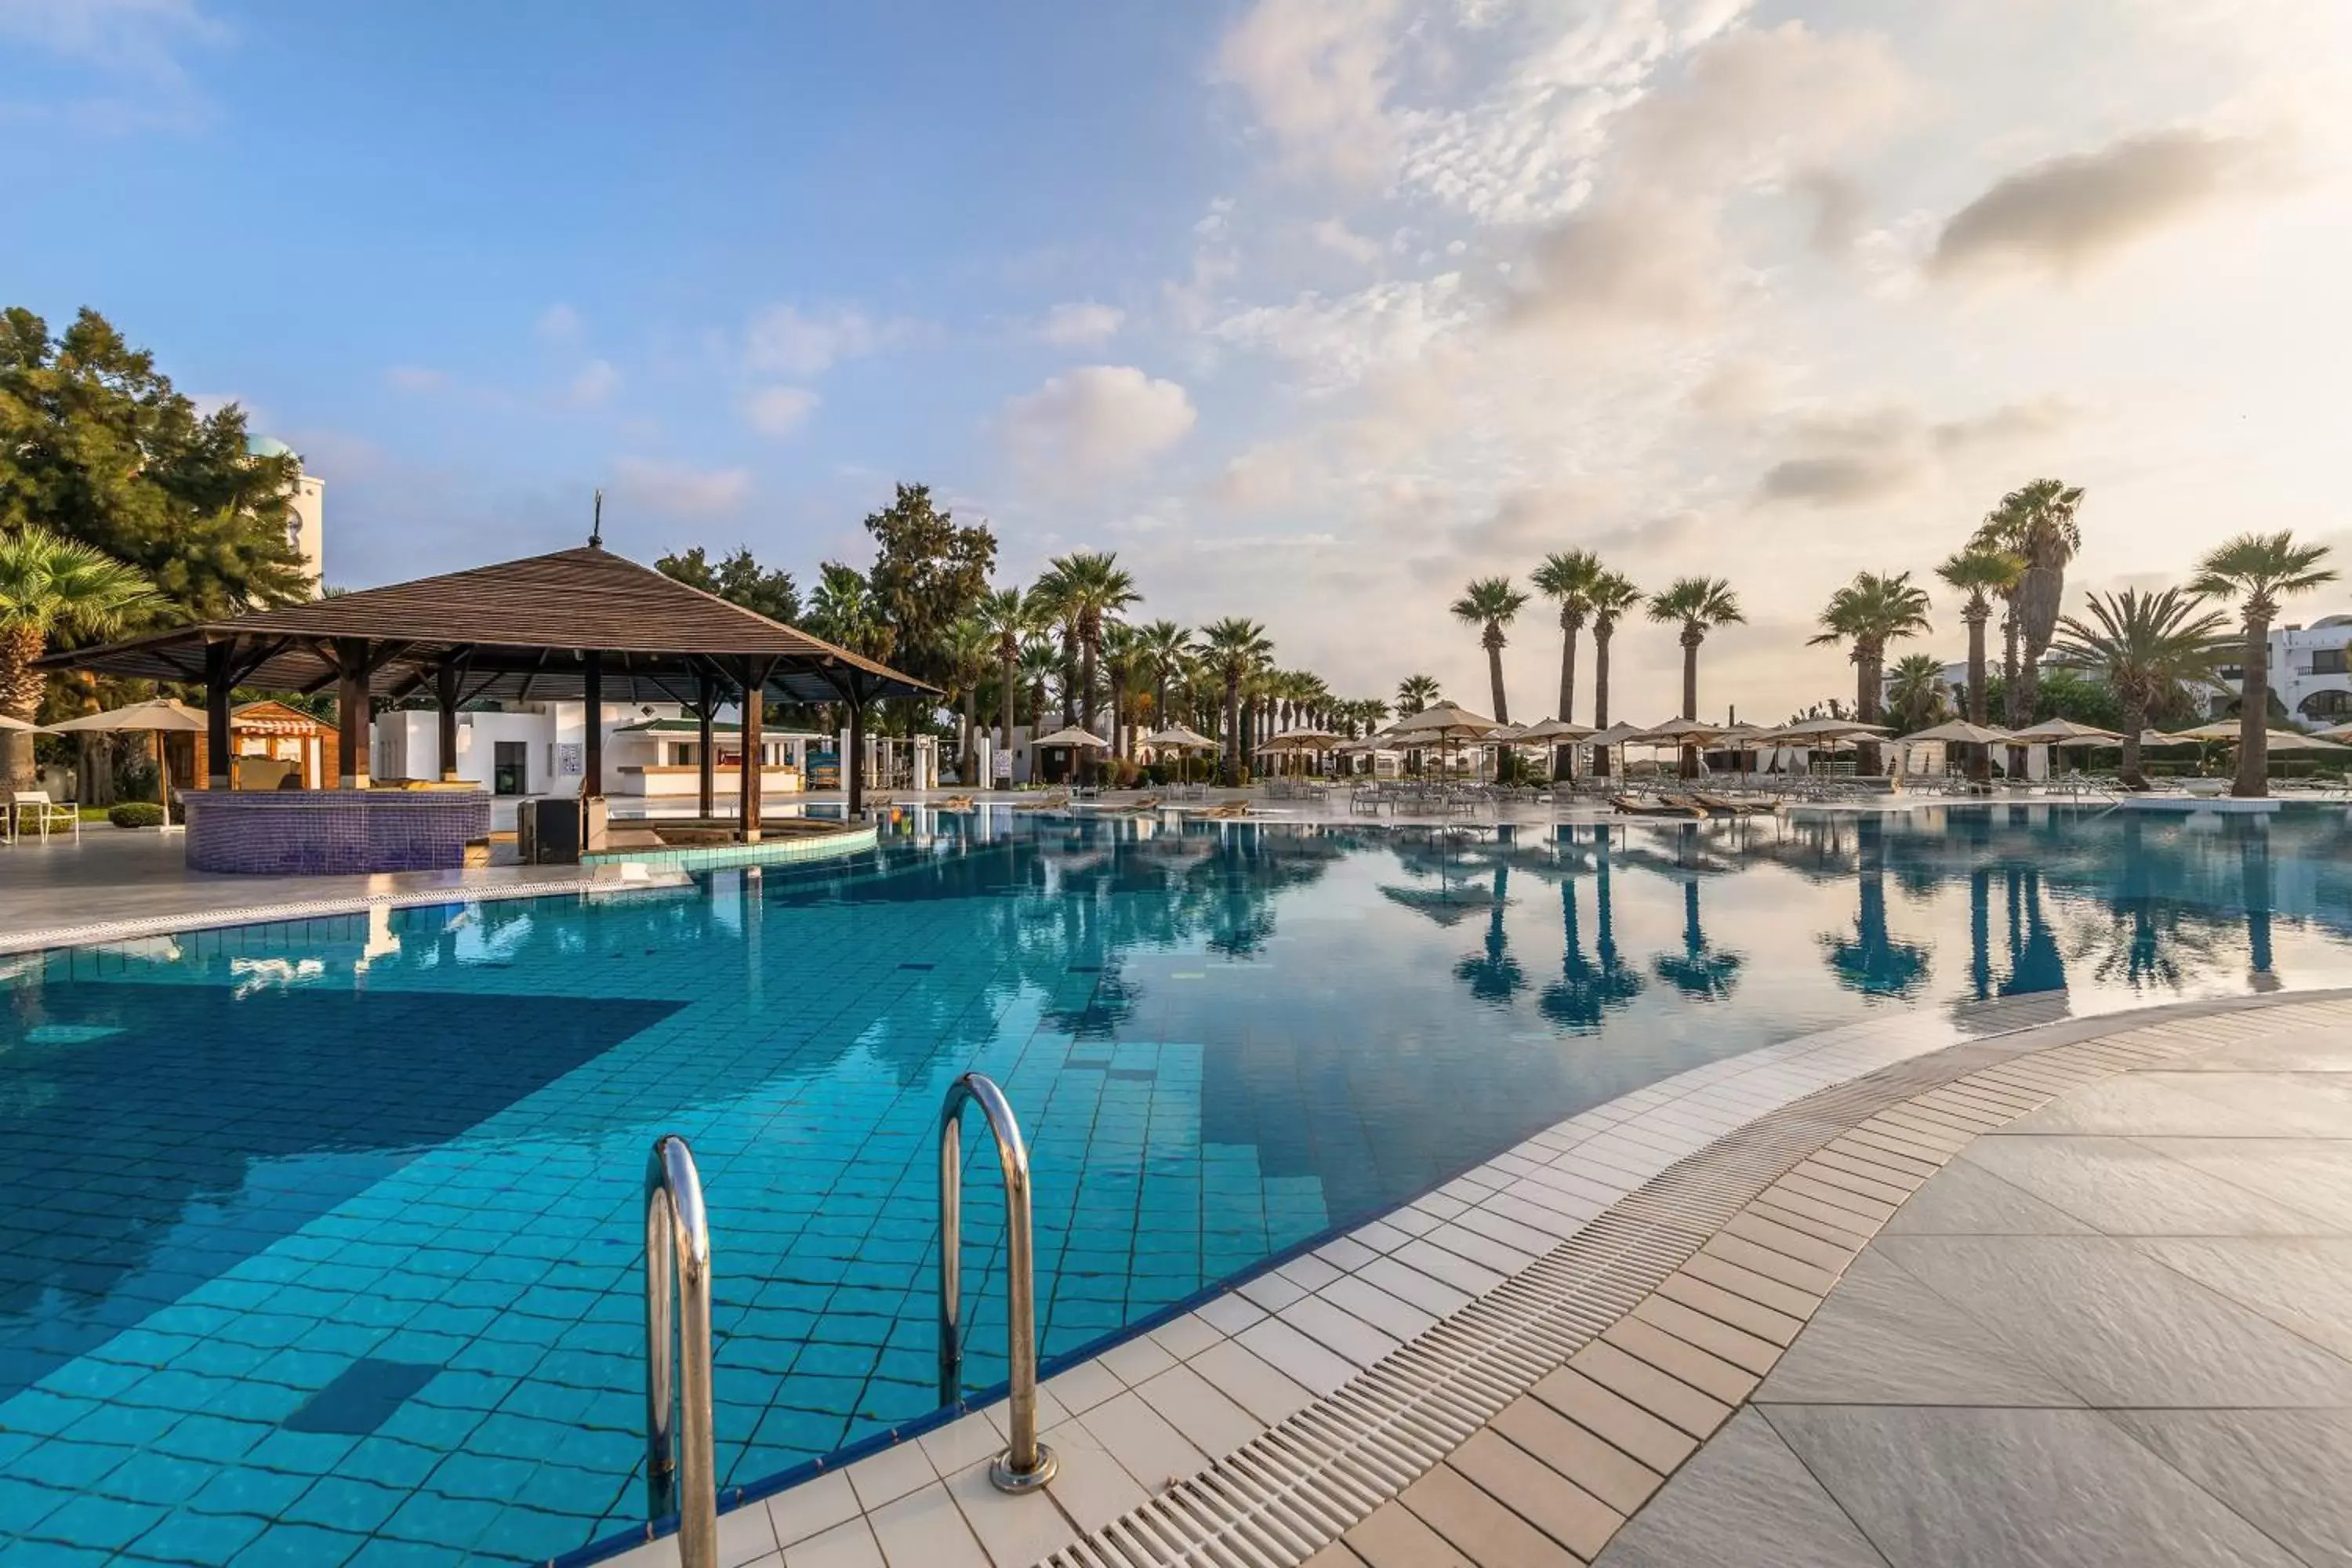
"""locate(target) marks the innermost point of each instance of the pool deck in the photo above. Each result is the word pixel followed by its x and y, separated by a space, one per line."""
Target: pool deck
pixel 2087 1279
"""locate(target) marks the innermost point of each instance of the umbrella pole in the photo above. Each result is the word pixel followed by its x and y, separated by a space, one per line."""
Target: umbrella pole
pixel 163 777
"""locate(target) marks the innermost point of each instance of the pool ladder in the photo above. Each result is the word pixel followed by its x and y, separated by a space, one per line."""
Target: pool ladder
pixel 679 1472
pixel 1026 1463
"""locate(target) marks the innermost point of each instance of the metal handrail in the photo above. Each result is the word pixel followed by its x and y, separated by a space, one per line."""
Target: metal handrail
pixel 679 1471
pixel 1026 1463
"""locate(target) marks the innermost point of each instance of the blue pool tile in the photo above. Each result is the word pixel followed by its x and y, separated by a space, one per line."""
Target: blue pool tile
pixel 198 1539
pixel 105 1523
pixel 286 1545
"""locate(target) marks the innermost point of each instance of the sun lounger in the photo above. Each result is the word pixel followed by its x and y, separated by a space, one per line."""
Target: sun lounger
pixel 1631 805
pixel 1720 806
pixel 959 804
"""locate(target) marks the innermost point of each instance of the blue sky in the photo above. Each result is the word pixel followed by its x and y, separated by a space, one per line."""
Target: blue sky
pixel 1311 309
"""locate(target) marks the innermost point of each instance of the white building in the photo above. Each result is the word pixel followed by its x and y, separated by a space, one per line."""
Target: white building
pixel 307 532
pixel 652 756
pixel 2309 673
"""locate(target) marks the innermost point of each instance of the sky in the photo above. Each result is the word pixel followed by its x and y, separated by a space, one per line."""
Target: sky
pixel 1310 309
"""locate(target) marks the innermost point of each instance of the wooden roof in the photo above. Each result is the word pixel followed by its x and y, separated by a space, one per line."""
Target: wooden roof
pixel 516 630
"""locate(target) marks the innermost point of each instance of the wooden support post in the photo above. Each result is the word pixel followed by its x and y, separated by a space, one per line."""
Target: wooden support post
pixel 216 695
pixel 705 697
pixel 855 761
pixel 755 681
pixel 445 691
pixel 352 713
pixel 592 686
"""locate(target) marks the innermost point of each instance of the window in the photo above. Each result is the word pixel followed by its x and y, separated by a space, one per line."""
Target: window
pixel 509 767
pixel 2327 661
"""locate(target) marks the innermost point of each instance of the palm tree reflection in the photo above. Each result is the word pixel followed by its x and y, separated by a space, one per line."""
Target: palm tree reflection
pixel 1585 992
pixel 1701 972
pixel 1871 961
pixel 1493 976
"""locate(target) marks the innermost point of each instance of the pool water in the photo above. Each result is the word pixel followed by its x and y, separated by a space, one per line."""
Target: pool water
pixel 326 1238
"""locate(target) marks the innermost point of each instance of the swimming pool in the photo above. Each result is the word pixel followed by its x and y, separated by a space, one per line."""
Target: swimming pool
pixel 327 1236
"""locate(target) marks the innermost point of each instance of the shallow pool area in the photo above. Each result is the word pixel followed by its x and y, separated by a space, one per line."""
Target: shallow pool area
pixel 328 1242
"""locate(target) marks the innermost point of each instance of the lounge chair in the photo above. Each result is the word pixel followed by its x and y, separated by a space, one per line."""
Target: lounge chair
pixel 1048 803
pixel 1631 805
pixel 959 804
pixel 1721 806
pixel 1224 811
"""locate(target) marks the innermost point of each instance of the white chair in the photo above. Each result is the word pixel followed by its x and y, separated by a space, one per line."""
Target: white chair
pixel 47 815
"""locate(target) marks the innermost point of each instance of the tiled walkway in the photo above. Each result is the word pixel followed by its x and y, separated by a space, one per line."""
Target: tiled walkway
pixel 1508 1370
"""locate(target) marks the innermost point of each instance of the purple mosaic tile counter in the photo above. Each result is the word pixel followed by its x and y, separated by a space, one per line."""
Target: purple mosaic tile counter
pixel 317 832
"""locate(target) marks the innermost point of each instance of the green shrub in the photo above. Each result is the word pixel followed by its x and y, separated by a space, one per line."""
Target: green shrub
pixel 136 814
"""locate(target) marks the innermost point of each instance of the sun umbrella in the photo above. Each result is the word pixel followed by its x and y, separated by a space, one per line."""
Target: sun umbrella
pixel 2280 740
pixel 1179 736
pixel 2339 732
pixel 1073 736
pixel 1442 721
pixel 1681 732
pixel 1552 731
pixel 1825 729
pixel 8 723
pixel 159 716
pixel 1964 732
pixel 2066 733
pixel 2158 738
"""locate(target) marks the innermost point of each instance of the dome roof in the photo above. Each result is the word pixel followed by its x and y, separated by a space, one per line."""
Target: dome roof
pixel 268 446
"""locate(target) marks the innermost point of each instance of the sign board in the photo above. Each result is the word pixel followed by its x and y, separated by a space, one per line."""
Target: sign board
pixel 824 770
pixel 568 759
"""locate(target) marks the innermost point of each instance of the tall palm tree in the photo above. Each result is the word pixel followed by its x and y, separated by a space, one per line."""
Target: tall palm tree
pixel 2264 568
pixel 2148 646
pixel 844 610
pixel 1057 613
pixel 1871 612
pixel 1164 647
pixel 1237 649
pixel 52 586
pixel 1612 595
pixel 1122 653
pixel 1012 616
pixel 1700 605
pixel 1416 693
pixel 1567 578
pixel 971 649
pixel 1090 590
pixel 1491 604
pixel 2037 523
pixel 1983 574
pixel 1041 664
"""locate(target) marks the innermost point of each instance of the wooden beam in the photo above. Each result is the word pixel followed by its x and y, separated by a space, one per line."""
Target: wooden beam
pixel 707 768
pixel 445 685
pixel 592 701
pixel 353 713
pixel 218 687
pixel 754 683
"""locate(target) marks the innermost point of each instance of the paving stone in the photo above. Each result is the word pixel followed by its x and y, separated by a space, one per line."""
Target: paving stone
pixel 2117 1327
pixel 1744 1501
pixel 1685 1362
pixel 1478 1527
pixel 1241 1377
pixel 1392 1536
pixel 1652 1439
pixel 1883 1338
pixel 1537 1493
pixel 2310 1175
pixel 2119 1187
pixel 2301 1284
pixel 1743 1350
pixel 1668 1398
pixel 1966 1199
pixel 1828 1257
pixel 1716 1303
pixel 1616 1477
pixel 1754 1287
pixel 2287 1472
pixel 2056 1488
pixel 1793 1272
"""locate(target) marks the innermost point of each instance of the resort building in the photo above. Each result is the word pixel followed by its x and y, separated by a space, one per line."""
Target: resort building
pixel 307 532
pixel 2311 672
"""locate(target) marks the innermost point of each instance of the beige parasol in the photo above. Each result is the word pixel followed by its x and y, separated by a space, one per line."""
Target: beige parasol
pixel 158 716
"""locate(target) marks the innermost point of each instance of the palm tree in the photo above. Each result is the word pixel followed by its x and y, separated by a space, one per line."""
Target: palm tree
pixel 1568 576
pixel 1164 646
pixel 1700 604
pixel 1041 662
pixel 1089 590
pixel 1983 574
pixel 1416 693
pixel 2036 524
pixel 1236 650
pixel 2148 646
pixel 1702 970
pixel 1871 612
pixel 1122 652
pixel 50 587
pixel 971 649
pixel 844 610
pixel 1012 616
pixel 1054 613
pixel 1612 595
pixel 1492 604
pixel 1916 687
pixel 2265 568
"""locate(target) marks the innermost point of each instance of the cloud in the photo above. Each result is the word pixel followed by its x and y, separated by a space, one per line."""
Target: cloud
pixel 1344 340
pixel 415 378
pixel 1751 100
pixel 596 383
pixel 778 410
pixel 1316 74
pixel 1095 421
pixel 808 343
pixel 559 323
pixel 2009 424
pixel 1839 479
pixel 675 489
pixel 131 48
pixel 1837 203
pixel 2062 214
pixel 1638 258
pixel 1736 389
pixel 1335 237
pixel 1079 323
